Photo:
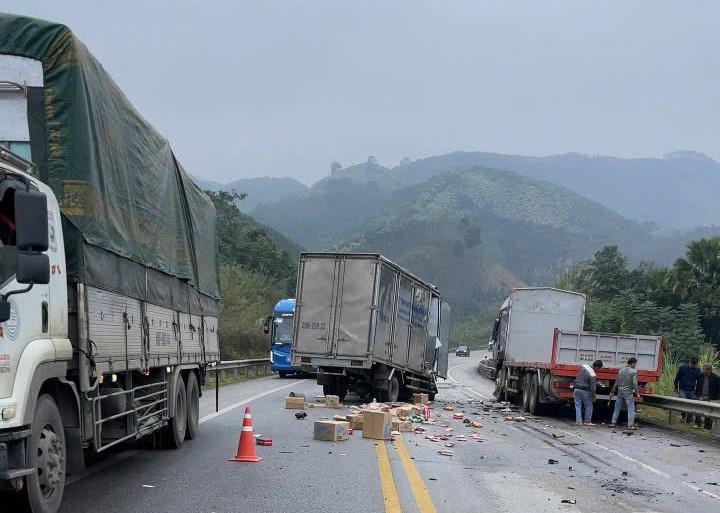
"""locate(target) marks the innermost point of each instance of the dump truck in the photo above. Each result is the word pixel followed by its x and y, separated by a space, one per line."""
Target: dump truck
pixel 109 277
pixel 538 346
pixel 369 326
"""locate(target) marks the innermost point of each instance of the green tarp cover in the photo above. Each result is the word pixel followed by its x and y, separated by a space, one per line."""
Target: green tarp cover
pixel 115 177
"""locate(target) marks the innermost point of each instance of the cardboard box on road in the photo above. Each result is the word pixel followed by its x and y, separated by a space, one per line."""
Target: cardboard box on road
pixel 355 421
pixel 295 401
pixel 331 430
pixel 332 401
pixel 421 399
pixel 406 411
pixel 376 425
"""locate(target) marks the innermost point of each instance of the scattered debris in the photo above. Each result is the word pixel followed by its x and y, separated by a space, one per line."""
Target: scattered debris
pixel 148 486
pixel 568 501
pixel 625 473
pixel 553 462
pixel 300 415
pixel 558 436
pixel 448 408
pixel 445 453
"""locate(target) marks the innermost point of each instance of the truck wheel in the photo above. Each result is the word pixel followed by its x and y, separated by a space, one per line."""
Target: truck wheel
pixel 175 430
pixel 532 405
pixel 193 409
pixel 46 454
pixel 526 392
pixel 341 389
pixel 329 389
pixel 282 374
pixel 393 390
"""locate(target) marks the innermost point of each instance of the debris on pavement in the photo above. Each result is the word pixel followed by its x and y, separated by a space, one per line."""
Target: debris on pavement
pixel 568 501
pixel 446 453
pixel 300 415
pixel 553 462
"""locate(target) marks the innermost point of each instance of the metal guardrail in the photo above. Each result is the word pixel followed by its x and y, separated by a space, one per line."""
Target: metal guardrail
pixel 235 367
pixel 691 406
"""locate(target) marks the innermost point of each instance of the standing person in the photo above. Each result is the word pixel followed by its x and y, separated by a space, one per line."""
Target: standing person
pixel 686 382
pixel 626 387
pixel 708 389
pixel 584 392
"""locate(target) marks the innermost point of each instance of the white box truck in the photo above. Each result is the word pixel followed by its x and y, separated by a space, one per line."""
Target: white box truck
pixel 539 345
pixel 369 326
pixel 108 269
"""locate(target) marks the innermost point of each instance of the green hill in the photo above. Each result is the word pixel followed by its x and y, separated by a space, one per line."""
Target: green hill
pixel 478 232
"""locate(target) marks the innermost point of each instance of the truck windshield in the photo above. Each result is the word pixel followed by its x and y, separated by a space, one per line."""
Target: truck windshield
pixel 283 333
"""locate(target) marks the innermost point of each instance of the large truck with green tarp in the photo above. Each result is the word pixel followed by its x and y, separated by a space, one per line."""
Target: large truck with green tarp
pixel 108 268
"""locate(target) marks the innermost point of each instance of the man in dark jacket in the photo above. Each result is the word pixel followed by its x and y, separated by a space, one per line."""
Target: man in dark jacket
pixel 685 383
pixel 708 389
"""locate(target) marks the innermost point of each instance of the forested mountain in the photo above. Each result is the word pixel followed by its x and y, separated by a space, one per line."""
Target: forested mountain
pixel 676 191
pixel 478 232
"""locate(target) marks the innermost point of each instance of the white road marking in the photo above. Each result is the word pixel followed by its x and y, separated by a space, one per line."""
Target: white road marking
pixel 469 389
pixel 132 452
pixel 643 465
pixel 243 403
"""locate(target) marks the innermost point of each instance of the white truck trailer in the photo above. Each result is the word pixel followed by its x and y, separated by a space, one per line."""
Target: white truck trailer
pixel 369 326
pixel 539 345
pixel 108 269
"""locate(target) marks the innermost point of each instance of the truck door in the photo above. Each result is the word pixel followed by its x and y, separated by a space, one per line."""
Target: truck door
pixel 387 302
pixel 354 307
pixel 314 310
pixel 401 333
pixel 442 366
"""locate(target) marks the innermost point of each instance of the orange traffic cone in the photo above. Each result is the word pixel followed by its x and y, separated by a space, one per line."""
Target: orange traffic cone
pixel 246 447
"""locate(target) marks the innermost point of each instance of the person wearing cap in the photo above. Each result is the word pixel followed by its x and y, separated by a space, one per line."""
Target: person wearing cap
pixel 708 389
pixel 686 382
pixel 584 390
pixel 626 387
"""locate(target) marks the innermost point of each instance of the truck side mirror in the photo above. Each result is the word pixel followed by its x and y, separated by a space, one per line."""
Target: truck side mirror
pixel 32 267
pixel 266 326
pixel 31 221
pixel 496 330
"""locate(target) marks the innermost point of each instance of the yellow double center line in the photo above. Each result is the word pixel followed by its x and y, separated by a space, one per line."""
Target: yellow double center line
pixel 419 490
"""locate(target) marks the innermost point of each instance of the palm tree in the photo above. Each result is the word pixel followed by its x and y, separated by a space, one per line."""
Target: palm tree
pixel 701 266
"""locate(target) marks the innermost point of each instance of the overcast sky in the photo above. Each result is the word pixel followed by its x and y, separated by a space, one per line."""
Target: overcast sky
pixel 248 88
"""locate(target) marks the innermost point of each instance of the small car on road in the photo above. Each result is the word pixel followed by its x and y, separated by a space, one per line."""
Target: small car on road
pixel 462 351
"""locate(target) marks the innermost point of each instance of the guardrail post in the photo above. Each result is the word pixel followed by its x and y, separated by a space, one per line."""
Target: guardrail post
pixel 235 372
pixel 247 371
pixel 222 375
pixel 672 417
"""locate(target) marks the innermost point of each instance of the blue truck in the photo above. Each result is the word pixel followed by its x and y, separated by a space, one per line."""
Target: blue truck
pixel 279 326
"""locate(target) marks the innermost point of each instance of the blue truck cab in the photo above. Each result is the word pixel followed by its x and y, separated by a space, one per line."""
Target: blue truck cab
pixel 280 328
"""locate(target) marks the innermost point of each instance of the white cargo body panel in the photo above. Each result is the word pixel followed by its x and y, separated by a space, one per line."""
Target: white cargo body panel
pixel 534 314
pixel 356 309
pixel 577 348
pixel 210 337
pixel 161 329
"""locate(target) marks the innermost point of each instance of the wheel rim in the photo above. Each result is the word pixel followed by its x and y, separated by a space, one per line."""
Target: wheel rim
pixel 532 400
pixel 50 458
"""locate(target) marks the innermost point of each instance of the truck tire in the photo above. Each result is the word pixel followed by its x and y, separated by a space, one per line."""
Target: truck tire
pixel 533 395
pixel 282 374
pixel 337 387
pixel 526 391
pixel 393 391
pixel 193 407
pixel 175 430
pixel 46 454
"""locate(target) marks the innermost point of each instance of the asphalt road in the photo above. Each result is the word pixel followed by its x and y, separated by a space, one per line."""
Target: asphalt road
pixel 507 471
